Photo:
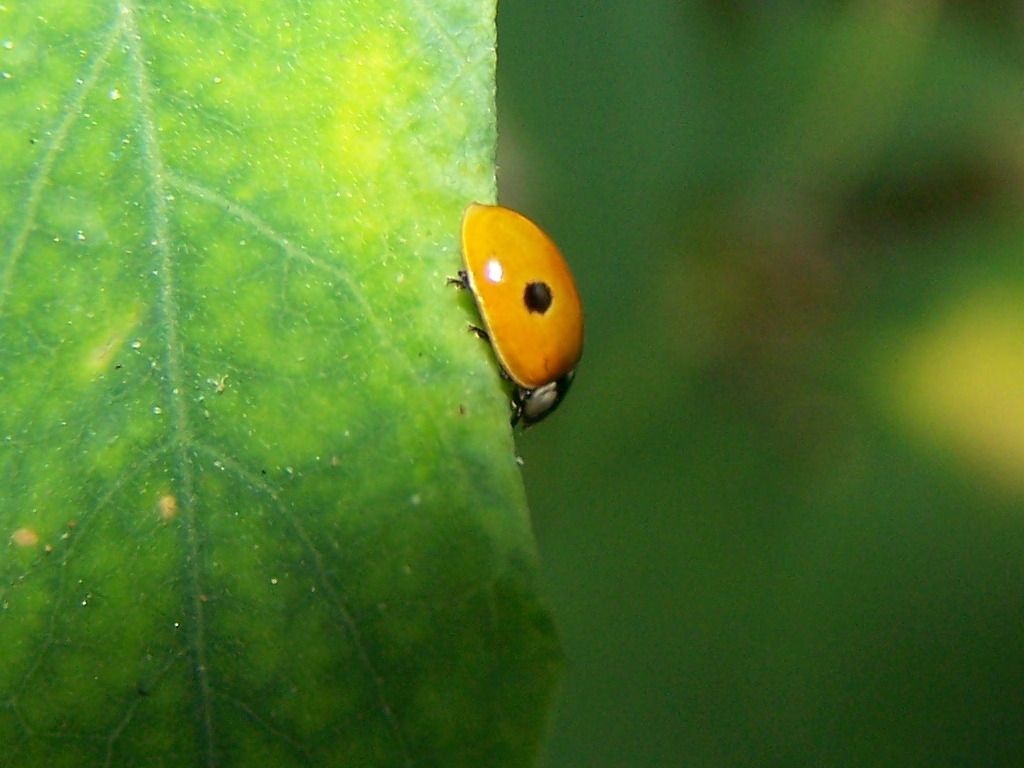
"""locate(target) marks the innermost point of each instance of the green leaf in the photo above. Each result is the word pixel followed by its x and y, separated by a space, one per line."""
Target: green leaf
pixel 258 496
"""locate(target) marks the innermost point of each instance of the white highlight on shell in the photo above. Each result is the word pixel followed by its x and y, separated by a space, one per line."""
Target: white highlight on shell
pixel 494 271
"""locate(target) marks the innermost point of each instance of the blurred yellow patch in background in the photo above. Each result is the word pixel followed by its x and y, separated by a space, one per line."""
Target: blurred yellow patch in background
pixel 961 383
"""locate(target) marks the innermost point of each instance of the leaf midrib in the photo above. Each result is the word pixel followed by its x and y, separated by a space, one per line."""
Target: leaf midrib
pixel 173 378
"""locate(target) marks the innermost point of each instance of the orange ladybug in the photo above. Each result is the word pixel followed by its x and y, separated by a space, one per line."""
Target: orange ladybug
pixel 529 305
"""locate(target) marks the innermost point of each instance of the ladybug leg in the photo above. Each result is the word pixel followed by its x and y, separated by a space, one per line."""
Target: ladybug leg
pixel 461 282
pixel 517 403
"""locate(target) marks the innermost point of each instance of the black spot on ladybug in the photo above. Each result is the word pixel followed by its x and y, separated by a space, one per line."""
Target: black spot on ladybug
pixel 537 297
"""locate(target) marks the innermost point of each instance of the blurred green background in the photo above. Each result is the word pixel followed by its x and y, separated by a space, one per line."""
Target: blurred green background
pixel 782 513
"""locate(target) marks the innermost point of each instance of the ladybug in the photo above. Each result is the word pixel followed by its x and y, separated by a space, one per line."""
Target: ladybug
pixel 529 305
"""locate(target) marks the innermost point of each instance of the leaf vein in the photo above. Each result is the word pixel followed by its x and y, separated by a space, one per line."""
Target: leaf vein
pixel 167 308
pixel 334 598
pixel 430 16
pixel 73 109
